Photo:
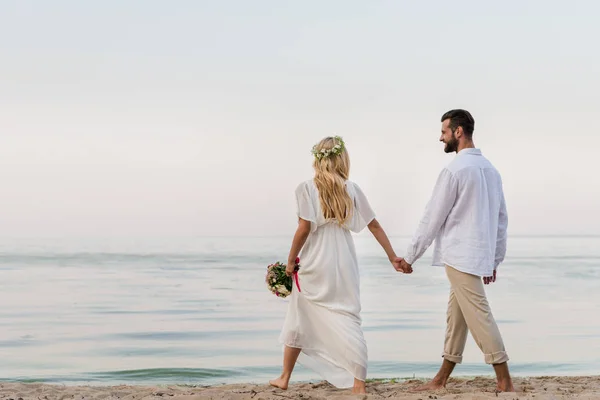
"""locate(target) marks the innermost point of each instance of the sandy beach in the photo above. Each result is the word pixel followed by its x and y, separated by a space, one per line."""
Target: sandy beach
pixel 582 387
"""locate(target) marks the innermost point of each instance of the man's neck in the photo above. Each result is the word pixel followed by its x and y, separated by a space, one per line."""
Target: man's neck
pixel 465 145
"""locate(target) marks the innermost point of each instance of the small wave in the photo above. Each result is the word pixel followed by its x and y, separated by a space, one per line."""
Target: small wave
pixel 162 374
pixel 143 258
pixel 153 375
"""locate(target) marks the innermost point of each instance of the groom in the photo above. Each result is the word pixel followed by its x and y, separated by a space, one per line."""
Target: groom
pixel 467 218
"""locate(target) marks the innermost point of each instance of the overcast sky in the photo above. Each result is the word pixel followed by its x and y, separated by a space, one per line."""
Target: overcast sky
pixel 190 117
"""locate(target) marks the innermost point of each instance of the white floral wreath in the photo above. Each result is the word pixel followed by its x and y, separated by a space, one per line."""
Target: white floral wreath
pixel 335 150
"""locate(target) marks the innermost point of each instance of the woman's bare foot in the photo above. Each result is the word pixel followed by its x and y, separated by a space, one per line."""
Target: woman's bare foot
pixel 280 383
pixel 359 387
pixel 290 355
pixel 359 390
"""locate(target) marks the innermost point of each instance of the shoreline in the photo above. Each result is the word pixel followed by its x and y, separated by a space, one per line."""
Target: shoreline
pixel 476 388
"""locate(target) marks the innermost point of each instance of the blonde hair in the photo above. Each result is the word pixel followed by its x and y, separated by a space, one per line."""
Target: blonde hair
pixel 331 173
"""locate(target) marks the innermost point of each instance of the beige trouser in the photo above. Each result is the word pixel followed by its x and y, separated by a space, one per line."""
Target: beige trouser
pixel 469 310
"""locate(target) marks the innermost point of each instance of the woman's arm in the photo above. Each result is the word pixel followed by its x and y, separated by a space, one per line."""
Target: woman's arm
pixel 300 237
pixel 377 231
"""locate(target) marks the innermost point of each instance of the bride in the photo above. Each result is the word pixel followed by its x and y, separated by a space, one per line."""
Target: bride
pixel 322 328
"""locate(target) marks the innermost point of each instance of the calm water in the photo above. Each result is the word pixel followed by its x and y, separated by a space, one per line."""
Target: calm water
pixel 197 311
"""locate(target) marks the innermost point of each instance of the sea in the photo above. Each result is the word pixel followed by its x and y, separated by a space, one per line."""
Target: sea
pixel 196 310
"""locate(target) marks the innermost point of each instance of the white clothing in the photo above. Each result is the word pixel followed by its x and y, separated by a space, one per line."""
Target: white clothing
pixel 323 319
pixel 466 216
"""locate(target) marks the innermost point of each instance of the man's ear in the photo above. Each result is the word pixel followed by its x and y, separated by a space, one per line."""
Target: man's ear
pixel 458 133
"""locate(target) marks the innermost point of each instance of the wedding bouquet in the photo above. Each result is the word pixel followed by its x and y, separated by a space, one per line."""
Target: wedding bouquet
pixel 278 282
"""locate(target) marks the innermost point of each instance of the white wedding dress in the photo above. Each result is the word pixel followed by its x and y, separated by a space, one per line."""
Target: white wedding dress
pixel 323 319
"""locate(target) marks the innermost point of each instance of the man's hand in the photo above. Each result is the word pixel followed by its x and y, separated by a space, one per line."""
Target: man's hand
pixel 401 265
pixel 489 279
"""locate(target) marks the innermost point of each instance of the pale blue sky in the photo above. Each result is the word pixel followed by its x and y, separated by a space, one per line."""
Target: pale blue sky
pixel 197 117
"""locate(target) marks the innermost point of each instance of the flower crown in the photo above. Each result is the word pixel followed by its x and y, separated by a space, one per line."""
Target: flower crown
pixel 335 150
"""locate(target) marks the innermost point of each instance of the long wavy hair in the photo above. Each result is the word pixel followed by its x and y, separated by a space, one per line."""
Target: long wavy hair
pixel 331 173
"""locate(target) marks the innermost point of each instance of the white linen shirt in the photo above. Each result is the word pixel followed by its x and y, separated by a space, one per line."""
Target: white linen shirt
pixel 466 216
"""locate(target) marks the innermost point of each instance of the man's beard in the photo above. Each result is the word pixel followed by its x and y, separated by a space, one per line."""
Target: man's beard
pixel 451 146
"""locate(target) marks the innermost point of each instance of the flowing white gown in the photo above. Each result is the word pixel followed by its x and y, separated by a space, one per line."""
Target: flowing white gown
pixel 323 319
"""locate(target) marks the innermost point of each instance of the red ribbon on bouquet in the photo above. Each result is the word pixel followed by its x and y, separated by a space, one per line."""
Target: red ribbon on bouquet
pixel 296 268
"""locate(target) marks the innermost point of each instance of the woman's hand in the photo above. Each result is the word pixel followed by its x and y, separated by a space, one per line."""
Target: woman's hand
pixel 401 265
pixel 289 268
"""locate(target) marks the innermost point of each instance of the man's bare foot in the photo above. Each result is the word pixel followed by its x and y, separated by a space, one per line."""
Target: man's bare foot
pixel 430 386
pixel 280 383
pixel 505 387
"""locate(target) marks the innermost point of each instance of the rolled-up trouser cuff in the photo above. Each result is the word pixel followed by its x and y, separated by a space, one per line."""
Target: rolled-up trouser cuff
pixel 496 358
pixel 452 358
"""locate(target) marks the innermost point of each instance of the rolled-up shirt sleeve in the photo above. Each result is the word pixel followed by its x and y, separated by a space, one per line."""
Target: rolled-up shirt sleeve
pixel 437 210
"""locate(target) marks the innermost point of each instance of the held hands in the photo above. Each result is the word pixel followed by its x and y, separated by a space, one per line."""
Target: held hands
pixel 401 265
pixel 489 279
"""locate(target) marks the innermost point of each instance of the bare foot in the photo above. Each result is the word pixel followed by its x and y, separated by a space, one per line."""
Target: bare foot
pixel 431 386
pixel 359 387
pixel 505 387
pixel 279 383
pixel 359 390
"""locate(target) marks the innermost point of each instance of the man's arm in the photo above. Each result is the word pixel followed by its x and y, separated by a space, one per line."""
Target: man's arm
pixel 439 206
pixel 502 235
pixel 500 240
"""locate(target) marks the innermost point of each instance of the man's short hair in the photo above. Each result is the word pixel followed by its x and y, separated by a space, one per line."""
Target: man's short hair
pixel 460 118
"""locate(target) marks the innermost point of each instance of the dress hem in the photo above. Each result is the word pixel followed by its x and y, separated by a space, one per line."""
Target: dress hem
pixel 308 348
